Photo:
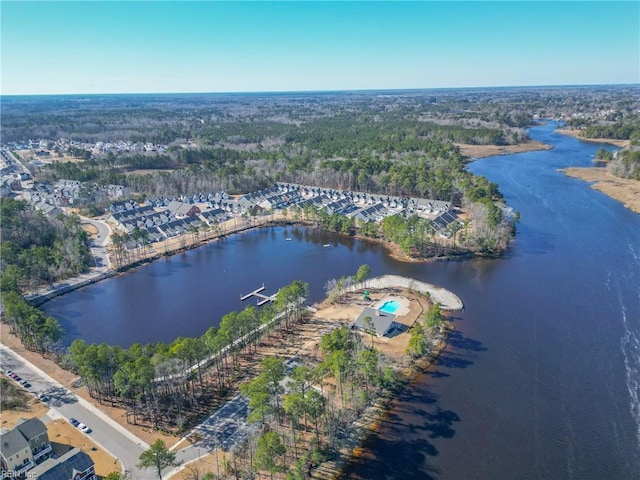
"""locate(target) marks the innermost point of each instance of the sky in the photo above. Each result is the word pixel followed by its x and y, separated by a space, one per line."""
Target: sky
pixel 208 46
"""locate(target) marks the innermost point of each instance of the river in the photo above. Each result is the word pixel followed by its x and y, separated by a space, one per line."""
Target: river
pixel 539 380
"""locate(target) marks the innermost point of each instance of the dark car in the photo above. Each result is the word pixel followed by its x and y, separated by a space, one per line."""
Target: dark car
pixel 74 422
pixel 17 378
pixel 26 385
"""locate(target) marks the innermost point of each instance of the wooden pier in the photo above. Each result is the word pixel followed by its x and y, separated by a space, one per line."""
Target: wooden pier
pixel 262 298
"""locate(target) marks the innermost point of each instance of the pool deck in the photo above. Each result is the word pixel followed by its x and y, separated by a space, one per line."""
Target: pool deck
pixel 402 309
pixel 447 299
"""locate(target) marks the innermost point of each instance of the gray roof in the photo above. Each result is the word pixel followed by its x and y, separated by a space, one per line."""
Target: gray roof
pixel 382 321
pixel 31 428
pixel 12 442
pixel 64 468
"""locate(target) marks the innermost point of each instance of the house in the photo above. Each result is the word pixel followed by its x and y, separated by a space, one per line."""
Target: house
pixel 339 206
pixel 23 447
pixel 214 216
pixel 182 209
pixel 442 221
pixel 126 205
pixel 73 465
pixel 380 321
pixel 35 433
pixel 372 213
pixel 430 206
pixel 15 454
pixel 47 209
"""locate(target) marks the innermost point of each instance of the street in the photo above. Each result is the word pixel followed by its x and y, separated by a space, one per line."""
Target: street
pixel 114 438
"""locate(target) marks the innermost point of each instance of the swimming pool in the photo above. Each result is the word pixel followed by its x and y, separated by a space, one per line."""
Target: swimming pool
pixel 390 306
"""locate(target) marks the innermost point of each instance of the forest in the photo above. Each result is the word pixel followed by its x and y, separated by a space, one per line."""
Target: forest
pixel 169 386
pixel 36 251
pixel 308 420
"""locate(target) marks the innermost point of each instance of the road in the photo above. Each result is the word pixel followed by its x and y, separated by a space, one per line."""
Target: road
pixel 99 244
pixel 224 429
pixel 114 438
pixel 98 247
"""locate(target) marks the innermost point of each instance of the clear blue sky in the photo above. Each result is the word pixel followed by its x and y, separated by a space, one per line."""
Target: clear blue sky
pixel 132 47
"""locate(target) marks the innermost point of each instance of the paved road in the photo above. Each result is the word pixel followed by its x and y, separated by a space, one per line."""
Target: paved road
pixel 99 243
pixel 224 429
pixel 102 264
pixel 121 443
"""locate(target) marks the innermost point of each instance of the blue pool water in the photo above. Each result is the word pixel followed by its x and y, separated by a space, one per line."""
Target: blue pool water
pixel 390 307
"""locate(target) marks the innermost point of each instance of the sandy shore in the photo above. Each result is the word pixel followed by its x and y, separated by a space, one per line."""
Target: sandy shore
pixel 447 299
pixel 572 132
pixel 481 151
pixel 624 190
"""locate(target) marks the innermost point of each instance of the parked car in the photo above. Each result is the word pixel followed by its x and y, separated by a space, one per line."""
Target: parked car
pixel 26 384
pixel 17 378
pixel 74 422
pixel 42 397
pixel 84 428
pixel 9 372
pixel 13 375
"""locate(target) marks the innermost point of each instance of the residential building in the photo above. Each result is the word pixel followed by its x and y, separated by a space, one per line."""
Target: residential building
pixel 73 465
pixel 22 447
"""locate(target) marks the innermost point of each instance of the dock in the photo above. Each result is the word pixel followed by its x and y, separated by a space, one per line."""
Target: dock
pixel 262 298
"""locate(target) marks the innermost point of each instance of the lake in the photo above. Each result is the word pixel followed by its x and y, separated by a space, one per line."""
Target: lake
pixel 539 380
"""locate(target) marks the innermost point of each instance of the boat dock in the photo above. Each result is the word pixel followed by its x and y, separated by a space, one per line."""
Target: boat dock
pixel 262 297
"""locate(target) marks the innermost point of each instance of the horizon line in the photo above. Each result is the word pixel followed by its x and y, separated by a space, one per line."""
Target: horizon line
pixel 319 91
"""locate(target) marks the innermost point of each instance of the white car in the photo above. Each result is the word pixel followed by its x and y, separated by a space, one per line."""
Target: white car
pixel 84 428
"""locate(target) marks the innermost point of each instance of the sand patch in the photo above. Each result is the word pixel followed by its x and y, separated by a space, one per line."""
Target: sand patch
pixel 624 190
pixel 481 151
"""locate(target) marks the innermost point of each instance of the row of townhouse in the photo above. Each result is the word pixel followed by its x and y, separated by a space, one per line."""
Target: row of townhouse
pixel 368 207
pixel 175 219
pixel 25 451
pixel 362 198
pixel 164 217
pixel 68 192
pixel 273 198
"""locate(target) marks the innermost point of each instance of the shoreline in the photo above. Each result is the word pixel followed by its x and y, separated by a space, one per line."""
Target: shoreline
pixel 623 190
pixel 474 152
pixel 575 133
pixel 372 417
pixel 365 424
pixel 43 294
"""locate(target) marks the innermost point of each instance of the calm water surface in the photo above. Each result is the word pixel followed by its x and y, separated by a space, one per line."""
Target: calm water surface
pixel 541 378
